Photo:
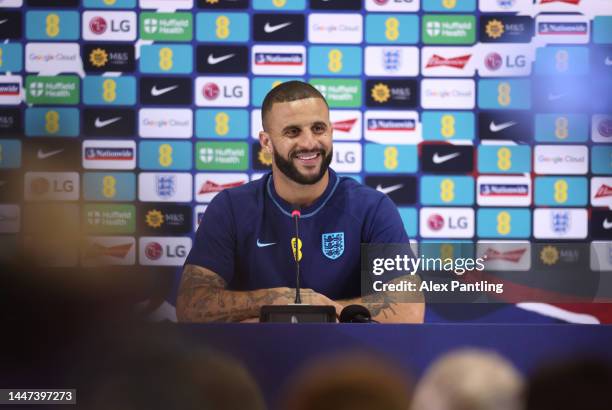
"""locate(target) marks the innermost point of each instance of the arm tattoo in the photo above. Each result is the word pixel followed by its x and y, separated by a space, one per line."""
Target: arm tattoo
pixel 205 298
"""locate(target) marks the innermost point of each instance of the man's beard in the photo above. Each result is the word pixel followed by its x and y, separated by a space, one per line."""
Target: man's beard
pixel 288 168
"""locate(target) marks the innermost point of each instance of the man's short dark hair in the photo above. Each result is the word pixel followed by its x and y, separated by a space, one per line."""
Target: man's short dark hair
pixel 286 92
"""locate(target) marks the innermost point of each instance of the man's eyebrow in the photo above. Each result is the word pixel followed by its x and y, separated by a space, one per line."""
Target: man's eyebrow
pixel 290 126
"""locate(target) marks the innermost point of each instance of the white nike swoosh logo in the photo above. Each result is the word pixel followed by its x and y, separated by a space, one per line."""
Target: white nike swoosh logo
pixel 607 224
pixel 263 245
pixel 608 61
pixel 271 29
pixel 554 97
pixel 500 127
pixel 155 92
pixel 44 155
pixel 3 21
pixel 212 60
pixel 389 189
pixel 101 124
pixel 438 159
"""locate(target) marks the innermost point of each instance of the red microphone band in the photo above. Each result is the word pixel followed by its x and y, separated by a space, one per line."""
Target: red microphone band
pixel 296 213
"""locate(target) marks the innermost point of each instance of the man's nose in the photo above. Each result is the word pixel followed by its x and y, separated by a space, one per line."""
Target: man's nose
pixel 308 140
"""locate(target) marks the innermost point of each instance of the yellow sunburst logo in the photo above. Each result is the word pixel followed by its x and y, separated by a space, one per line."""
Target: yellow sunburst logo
pixel 495 29
pixel 549 255
pixel 381 93
pixel 98 57
pixel 154 218
pixel 265 157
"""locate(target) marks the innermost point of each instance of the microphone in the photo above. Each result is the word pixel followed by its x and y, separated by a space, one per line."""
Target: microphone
pixel 356 314
pixel 296 217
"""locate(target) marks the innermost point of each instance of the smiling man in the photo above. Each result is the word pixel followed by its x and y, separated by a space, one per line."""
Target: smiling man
pixel 243 257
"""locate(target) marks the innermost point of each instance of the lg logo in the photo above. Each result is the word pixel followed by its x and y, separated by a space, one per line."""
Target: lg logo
pixel 154 251
pixel 494 61
pixel 98 25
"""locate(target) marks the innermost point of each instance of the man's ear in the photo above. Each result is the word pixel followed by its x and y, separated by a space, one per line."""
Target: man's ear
pixel 265 142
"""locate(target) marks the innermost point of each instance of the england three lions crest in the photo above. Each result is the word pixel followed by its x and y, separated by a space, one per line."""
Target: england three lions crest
pixel 332 244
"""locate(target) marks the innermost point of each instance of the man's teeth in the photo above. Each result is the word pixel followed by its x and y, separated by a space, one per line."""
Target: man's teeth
pixel 309 156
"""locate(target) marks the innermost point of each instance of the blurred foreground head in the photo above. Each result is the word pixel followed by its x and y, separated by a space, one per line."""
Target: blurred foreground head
pixel 469 380
pixel 584 384
pixel 354 381
pixel 157 367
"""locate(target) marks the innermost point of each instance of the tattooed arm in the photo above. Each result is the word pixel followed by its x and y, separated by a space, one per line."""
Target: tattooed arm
pixel 387 307
pixel 203 297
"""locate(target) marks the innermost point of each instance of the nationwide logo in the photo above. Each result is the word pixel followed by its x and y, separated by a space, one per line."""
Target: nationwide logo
pixel 388 124
pixel 279 60
pixel 105 154
pixel 166 26
pixel 9 89
pixel 562 28
pixel 454 62
pixel 109 154
pixel 108 57
pixel 504 190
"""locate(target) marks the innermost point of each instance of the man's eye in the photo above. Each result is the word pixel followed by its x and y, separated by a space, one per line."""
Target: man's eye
pixel 319 129
pixel 292 132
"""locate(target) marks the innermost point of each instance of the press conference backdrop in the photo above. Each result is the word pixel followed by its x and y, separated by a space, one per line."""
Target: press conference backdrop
pixel 481 119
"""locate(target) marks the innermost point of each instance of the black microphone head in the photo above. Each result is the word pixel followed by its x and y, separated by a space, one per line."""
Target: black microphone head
pixel 355 314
